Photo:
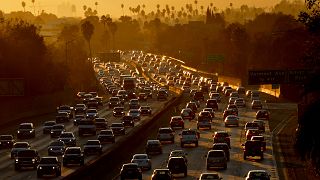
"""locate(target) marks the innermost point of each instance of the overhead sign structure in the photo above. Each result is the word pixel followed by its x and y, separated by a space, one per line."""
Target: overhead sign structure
pixel 215 57
pixel 12 87
pixel 109 56
pixel 278 77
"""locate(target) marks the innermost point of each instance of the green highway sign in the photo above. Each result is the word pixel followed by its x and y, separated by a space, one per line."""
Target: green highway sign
pixel 215 57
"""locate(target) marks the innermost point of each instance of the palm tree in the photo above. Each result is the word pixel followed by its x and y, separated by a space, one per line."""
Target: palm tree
pixel 34 7
pixel 87 31
pixel 202 7
pixel 96 4
pixel 84 7
pixel 211 4
pixel 231 5
pixel 143 6
pixel 196 3
pixel 122 6
pixel 24 6
pixel 158 6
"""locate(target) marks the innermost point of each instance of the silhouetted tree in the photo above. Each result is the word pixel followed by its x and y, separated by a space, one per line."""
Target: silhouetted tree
pixel 122 6
pixel 24 6
pixel 113 29
pixel 87 31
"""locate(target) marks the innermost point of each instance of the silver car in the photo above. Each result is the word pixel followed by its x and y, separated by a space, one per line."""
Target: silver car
pixel 142 160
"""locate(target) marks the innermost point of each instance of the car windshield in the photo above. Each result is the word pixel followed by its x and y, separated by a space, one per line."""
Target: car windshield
pixel 100 120
pixel 20 145
pixel 142 156
pixel 188 133
pixel 58 127
pixel 57 143
pixel 216 154
pixel 134 111
pixel 80 106
pixel 6 137
pixel 222 135
pixel 209 176
pixel 27 153
pixel 144 107
pixel 80 116
pixel 165 131
pixel 106 132
pixel 93 143
pixel 73 151
pixel 92 111
pixel 116 125
pixel 51 123
pixel 25 126
pixel 66 135
pixel 48 160
pixel 177 154
pixel 258 175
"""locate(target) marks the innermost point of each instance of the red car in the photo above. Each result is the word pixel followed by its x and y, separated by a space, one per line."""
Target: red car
pixel 177 121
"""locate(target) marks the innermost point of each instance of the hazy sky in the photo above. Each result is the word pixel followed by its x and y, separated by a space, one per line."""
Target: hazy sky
pixel 113 8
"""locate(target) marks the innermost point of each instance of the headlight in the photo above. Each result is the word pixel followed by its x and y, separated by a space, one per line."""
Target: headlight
pixel 30 131
pixel 18 131
pixel 53 167
pixel 33 160
pixel 17 160
pixel 40 167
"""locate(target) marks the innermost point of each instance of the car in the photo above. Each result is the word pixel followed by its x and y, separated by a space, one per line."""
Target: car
pixel 256 104
pixel 216 159
pixel 189 136
pixel 187 113
pixel 56 148
pixel 231 120
pixel 62 117
pixel 128 121
pixel 227 92
pixel 142 97
pixel 153 147
pixel 232 100
pixel 143 161
pixel 118 128
pixel 47 125
pixel 49 166
pixel 240 102
pixel 92 114
pixel 130 171
pixel 176 121
pixel 101 123
pixel 26 130
pixel 235 95
pixel 135 114
pixel 228 112
pixel 118 111
pixel 86 98
pixel 73 155
pixel 80 108
pixel 145 110
pixel 87 127
pixel 26 158
pixel 252 132
pixel 179 153
pixel 215 96
pixel 263 114
pixel 241 90
pixel 66 108
pixel 93 103
pixel 198 96
pixel 210 110
pixel 134 104
pixel 68 138
pixel 198 103
pixel 6 141
pixel 165 134
pixel 161 174
pixel 210 176
pixel 212 103
pixel 251 125
pixel 92 147
pixel 78 118
pixel 261 125
pixel 248 93
pixel 177 165
pixel 204 120
pixel 258 174
pixel 106 136
pixel 222 146
pixel 57 130
pixel 221 137
pixel 252 148
pixel 19 146
pixel 255 95
pixel 260 138
pixel 114 102
pixel 162 95
pixel 193 106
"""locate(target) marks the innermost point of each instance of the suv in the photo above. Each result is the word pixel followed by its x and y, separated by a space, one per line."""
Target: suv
pixel 73 155
pixel 128 121
pixel 198 96
pixel 177 165
pixel 145 110
pixel 80 108
pixel 57 130
pixel 114 102
pixel 262 114
pixel 87 127
pixel 6 141
pixel 262 139
pixel 222 146
pixel 26 158
pixel 134 104
pixel 49 166
pixel 19 146
pixel 62 117
pixel 216 158
pixel 252 148
pixel 68 138
pixel 212 103
pixel 130 171
pixel 56 148
pixel 118 128
pixel 166 134
pixel 47 126
pixel 106 136
pixel 26 130
pixel 153 146
pixel 222 137
pixel 92 147
pixel 101 123
pixel 118 111
pixel 176 121
pixel 189 136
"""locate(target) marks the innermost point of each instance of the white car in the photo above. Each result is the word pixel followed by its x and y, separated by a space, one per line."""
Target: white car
pixel 142 160
pixel 231 120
